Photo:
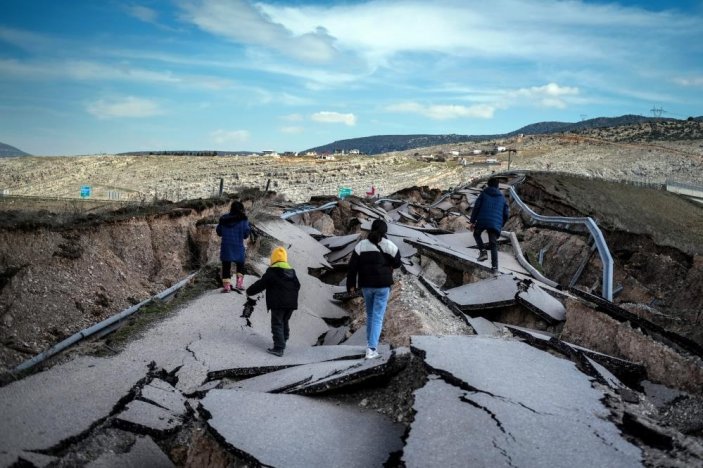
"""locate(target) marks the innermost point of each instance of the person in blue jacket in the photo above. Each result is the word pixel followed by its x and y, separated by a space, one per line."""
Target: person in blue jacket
pixel 233 227
pixel 490 213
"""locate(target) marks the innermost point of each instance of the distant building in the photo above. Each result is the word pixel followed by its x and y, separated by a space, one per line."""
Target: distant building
pixel 326 157
pixel 271 153
pixel 311 153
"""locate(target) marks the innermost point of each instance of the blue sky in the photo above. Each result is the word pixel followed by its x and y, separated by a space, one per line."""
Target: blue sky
pixel 86 77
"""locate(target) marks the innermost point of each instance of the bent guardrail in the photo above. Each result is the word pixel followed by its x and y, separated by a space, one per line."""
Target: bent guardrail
pixel 597 235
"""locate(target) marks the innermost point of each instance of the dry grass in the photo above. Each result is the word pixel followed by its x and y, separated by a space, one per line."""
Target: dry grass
pixel 669 219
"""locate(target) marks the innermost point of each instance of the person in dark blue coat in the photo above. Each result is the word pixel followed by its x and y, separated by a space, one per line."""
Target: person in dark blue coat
pixel 233 227
pixel 490 213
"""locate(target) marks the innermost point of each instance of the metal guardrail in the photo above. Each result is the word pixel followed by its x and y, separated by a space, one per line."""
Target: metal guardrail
pixel 602 246
pixel 308 209
pixel 75 338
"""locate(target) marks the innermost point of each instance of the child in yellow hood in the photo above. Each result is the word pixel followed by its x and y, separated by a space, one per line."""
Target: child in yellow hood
pixel 281 285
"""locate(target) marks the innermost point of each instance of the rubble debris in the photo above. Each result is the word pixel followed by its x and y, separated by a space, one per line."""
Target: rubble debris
pixel 312 433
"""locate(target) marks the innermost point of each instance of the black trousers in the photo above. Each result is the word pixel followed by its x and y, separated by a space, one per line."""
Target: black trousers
pixel 492 243
pixel 227 268
pixel 279 327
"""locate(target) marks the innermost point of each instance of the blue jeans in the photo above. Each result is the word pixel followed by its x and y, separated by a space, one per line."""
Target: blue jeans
pixel 376 300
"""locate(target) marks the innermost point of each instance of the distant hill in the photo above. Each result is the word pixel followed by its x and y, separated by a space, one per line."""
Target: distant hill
pixel 385 143
pixel 7 151
pixel 187 153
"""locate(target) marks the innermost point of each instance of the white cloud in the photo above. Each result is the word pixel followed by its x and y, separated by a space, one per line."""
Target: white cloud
pixel 292 130
pixel 334 117
pixel 31 41
pixel 691 81
pixel 230 136
pixel 549 95
pixel 82 70
pixel 444 111
pixel 293 117
pixel 129 107
pixel 569 30
pixel 142 13
pixel 240 21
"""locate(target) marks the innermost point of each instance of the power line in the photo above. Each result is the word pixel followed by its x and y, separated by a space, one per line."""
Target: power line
pixel 656 111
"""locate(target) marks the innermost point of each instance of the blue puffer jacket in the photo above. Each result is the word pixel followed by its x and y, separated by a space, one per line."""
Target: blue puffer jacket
pixel 233 229
pixel 490 210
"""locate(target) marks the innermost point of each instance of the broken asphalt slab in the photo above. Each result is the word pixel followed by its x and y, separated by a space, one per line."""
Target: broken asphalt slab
pixel 164 395
pixel 143 453
pixel 49 408
pixel 541 303
pixel 298 431
pixel 145 418
pixel 321 376
pixel 234 358
pixel 505 403
pixel 499 291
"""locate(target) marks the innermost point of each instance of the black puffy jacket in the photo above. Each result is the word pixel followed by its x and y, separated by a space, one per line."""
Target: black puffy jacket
pixel 373 268
pixel 281 285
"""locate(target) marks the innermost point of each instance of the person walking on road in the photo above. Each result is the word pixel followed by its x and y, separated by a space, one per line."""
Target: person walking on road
pixel 281 285
pixel 490 213
pixel 233 227
pixel 371 269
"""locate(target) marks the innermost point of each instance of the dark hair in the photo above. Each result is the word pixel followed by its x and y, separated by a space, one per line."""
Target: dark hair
pixel 237 207
pixel 236 211
pixel 493 182
pixel 379 228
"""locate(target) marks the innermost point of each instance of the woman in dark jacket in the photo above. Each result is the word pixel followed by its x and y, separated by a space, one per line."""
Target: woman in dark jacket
pixel 233 228
pixel 372 264
pixel 281 285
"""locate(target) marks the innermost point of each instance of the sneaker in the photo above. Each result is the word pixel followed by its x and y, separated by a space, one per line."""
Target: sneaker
pixel 371 353
pixel 483 255
pixel 226 287
pixel 275 352
pixel 240 282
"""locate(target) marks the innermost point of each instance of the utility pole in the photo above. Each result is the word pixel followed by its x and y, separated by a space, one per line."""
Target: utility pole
pixel 656 111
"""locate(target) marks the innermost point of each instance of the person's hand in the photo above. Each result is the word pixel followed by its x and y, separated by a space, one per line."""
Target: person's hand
pixel 351 290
